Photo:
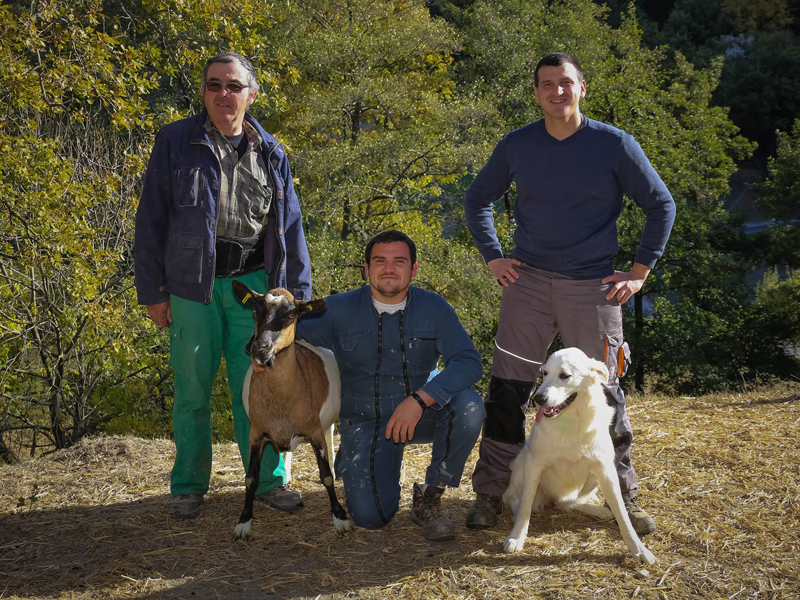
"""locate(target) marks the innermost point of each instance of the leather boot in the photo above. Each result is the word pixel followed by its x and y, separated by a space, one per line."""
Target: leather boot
pixel 427 513
pixel 483 512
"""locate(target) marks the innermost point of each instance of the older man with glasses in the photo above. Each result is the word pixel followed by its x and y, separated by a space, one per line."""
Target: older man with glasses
pixel 217 205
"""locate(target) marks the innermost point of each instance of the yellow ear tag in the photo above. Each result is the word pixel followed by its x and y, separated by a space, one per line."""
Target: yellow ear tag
pixel 246 298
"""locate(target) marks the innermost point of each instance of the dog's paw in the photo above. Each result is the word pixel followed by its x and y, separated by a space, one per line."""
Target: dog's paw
pixel 342 525
pixel 511 545
pixel 596 511
pixel 645 556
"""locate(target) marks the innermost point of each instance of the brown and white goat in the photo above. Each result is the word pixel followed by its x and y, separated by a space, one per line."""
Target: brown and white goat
pixel 295 398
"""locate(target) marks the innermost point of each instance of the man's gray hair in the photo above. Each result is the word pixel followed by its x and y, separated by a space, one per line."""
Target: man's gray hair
pixel 229 57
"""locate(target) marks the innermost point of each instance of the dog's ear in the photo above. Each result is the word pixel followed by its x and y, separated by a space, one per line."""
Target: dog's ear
pixel 599 371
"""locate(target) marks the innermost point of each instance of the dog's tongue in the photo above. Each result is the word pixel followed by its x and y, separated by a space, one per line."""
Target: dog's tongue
pixel 539 414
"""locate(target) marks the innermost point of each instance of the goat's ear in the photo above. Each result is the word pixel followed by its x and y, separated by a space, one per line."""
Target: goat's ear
pixel 311 306
pixel 599 370
pixel 244 293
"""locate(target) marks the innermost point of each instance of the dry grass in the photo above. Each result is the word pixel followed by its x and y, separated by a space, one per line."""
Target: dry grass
pixel 719 473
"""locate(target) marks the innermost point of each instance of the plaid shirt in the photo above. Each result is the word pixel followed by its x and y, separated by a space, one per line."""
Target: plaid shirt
pixel 245 190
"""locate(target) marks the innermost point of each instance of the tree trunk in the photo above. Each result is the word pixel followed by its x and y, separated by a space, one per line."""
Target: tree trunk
pixel 56 427
pixel 355 129
pixel 347 214
pixel 6 455
pixel 54 405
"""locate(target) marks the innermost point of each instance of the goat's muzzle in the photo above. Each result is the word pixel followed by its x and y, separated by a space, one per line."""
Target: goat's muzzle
pixel 264 356
pixel 267 363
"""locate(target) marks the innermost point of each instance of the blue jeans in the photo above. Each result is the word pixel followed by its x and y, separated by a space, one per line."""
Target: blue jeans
pixel 369 464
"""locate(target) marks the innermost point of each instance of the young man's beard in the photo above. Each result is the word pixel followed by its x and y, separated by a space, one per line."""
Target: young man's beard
pixel 389 288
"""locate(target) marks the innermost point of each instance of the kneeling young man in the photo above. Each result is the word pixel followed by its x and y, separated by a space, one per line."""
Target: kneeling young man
pixel 387 338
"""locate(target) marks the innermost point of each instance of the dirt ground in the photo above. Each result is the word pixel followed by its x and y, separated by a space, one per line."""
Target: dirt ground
pixel 720 474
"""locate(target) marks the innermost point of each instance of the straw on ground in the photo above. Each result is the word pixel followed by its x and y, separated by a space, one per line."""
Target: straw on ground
pixel 720 474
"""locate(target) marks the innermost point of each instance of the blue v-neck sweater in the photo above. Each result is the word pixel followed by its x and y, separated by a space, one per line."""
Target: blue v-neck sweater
pixel 569 197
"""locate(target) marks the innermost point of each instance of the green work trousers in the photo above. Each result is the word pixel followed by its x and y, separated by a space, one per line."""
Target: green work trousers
pixel 199 335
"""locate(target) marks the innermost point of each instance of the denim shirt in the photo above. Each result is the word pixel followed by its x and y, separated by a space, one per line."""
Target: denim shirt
pixel 384 357
pixel 177 217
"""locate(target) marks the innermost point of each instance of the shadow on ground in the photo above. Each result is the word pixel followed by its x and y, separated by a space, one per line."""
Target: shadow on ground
pixel 81 550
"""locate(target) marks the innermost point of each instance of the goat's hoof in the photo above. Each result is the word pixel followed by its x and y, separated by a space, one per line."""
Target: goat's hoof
pixel 342 525
pixel 511 545
pixel 242 530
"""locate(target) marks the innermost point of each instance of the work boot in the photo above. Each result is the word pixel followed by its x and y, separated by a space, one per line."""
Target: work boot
pixel 427 513
pixel 186 506
pixel 282 498
pixel 483 512
pixel 642 522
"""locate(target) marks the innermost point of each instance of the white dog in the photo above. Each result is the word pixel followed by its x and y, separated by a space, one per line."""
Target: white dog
pixel 569 451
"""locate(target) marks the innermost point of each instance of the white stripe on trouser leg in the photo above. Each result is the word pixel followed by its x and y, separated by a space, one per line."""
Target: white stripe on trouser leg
pixel 535 362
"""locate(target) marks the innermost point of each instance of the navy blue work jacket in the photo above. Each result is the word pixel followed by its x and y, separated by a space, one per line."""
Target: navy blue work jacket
pixel 177 218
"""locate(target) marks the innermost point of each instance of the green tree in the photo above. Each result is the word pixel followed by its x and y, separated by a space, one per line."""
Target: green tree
pixel 693 28
pixel 378 135
pixel 386 112
pixel 69 164
pixel 780 200
pixel 758 15
pixel 779 301
pixel 665 104
pixel 762 88
pixel 177 37
pixel 759 41
pixel 373 124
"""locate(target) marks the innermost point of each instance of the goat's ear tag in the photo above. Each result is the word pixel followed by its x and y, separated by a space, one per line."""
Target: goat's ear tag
pixel 310 306
pixel 247 297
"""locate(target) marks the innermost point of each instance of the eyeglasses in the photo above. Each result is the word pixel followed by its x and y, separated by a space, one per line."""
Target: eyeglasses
pixel 231 88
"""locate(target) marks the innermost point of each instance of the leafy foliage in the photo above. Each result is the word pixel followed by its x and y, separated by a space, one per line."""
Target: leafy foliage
pixel 762 88
pixel 780 200
pixel 374 126
pixel 387 112
pixel 666 104
pixel 70 163
pixel 779 301
pixel 759 42
pixel 758 15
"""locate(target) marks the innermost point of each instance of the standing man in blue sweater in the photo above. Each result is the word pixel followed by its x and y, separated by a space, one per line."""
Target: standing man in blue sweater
pixel 571 173
pixel 387 338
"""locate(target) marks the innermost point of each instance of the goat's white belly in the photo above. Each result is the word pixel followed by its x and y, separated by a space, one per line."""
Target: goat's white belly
pixel 330 408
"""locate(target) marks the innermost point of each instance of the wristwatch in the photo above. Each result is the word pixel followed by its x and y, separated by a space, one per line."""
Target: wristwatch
pixel 419 400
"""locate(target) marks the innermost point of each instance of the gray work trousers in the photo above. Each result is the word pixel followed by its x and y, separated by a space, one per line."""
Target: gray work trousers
pixel 532 310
